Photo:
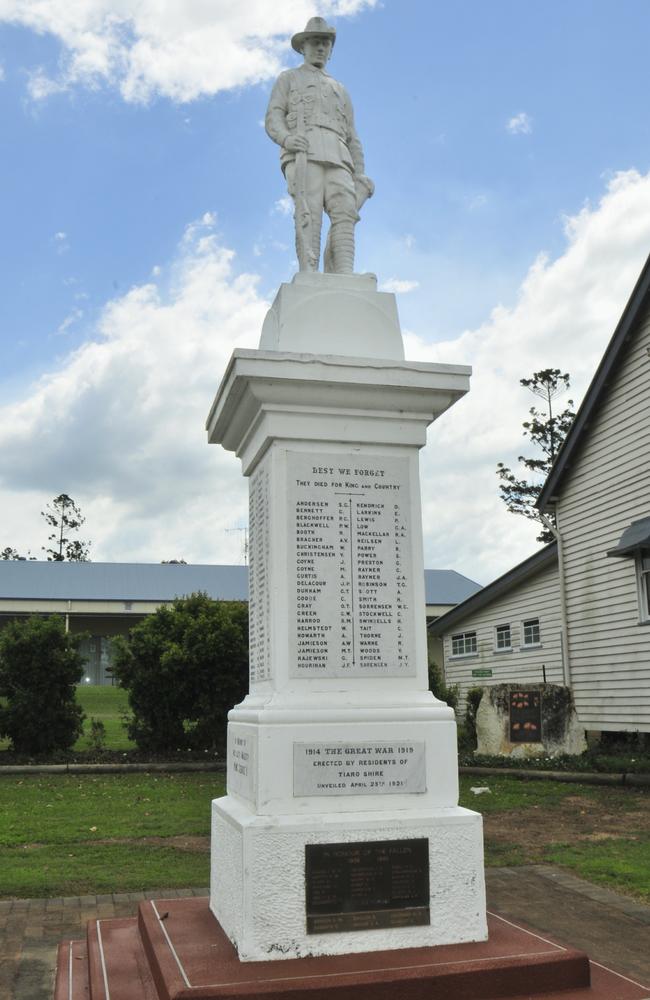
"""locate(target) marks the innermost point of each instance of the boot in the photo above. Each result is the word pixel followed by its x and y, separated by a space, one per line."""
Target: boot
pixel 341 248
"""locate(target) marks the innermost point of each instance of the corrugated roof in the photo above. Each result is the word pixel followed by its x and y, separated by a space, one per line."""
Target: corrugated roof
pixel 522 571
pixel 446 586
pixel 94 581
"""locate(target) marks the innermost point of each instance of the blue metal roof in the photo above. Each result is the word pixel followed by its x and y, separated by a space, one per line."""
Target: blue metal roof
pixel 522 571
pixel 94 581
pixel 446 586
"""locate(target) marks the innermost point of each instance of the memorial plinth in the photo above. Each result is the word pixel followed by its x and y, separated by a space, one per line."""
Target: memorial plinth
pixel 341 831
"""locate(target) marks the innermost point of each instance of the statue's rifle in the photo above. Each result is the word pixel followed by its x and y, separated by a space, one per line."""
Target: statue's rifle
pixel 303 214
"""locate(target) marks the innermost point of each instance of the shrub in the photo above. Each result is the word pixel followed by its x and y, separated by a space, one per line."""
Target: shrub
pixel 623 742
pixel 472 702
pixel 97 734
pixel 40 665
pixel 438 685
pixel 184 667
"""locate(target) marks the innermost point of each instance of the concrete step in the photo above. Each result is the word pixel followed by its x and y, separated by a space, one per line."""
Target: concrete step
pixel 71 972
pixel 176 950
pixel 118 968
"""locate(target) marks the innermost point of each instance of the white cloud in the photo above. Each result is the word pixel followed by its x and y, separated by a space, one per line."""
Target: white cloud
pixel 564 316
pixel 284 205
pixel 119 424
pixel 182 49
pixel 2 72
pixel 521 124
pixel 474 202
pixel 398 285
pixel 71 318
pixel 60 241
pixel 40 85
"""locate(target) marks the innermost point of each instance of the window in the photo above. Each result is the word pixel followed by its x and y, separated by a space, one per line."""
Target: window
pixel 532 634
pixel 463 644
pixel 503 637
pixel 643 576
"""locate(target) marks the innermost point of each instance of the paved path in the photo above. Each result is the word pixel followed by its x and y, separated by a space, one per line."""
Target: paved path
pixel 613 929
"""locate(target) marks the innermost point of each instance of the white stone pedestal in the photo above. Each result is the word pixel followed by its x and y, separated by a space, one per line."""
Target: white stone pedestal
pixel 339 741
pixel 341 312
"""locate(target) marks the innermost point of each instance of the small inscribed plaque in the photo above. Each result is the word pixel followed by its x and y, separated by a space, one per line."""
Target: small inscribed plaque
pixel 242 747
pixel 370 768
pixel 525 717
pixel 367 885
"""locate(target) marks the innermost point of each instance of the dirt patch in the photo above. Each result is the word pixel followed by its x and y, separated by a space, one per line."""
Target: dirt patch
pixel 194 845
pixel 574 819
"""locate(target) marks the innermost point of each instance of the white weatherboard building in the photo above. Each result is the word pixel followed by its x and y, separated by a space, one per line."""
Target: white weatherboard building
pixel 509 632
pixel 106 599
pixel 581 607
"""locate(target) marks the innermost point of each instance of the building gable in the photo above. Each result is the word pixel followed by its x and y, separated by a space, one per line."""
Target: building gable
pixel 599 488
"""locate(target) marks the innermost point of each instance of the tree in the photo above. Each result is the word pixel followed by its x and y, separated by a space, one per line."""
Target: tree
pixel 64 516
pixel 450 694
pixel 546 430
pixel 10 553
pixel 184 668
pixel 40 665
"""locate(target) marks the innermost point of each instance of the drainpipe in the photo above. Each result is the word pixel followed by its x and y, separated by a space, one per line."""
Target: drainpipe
pixel 564 626
pixel 67 617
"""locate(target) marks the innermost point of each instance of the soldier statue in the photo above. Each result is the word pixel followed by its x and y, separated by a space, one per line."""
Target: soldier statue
pixel 310 117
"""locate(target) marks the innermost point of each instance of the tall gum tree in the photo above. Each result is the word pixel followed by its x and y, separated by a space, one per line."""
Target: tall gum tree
pixel 64 516
pixel 546 430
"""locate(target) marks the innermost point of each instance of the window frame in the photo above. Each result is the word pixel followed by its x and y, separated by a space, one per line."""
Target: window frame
pixel 466 653
pixel 497 647
pixel 537 642
pixel 643 584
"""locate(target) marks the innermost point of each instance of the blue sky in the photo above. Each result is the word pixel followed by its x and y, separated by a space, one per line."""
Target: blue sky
pixel 144 236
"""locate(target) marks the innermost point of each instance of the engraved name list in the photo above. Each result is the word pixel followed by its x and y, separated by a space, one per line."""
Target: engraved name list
pixel 350 559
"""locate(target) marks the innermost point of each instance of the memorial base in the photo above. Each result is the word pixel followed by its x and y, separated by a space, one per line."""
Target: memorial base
pixel 176 950
pixel 259 890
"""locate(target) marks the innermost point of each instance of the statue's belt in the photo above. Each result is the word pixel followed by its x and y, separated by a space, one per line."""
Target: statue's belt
pixel 324 121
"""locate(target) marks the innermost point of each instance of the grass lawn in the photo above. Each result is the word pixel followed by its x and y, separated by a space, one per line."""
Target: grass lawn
pixel 600 833
pixel 108 704
pixel 65 835
pixel 618 863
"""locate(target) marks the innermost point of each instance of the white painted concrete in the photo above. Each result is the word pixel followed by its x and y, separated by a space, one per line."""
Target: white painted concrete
pixel 342 312
pixel 258 882
pixel 339 681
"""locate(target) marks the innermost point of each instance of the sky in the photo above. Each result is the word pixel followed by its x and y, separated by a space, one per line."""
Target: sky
pixel 146 230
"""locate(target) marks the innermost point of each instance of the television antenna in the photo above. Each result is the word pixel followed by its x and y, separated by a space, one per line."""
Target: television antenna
pixel 244 532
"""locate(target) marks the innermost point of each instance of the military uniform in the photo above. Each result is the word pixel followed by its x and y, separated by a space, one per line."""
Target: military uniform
pixel 334 158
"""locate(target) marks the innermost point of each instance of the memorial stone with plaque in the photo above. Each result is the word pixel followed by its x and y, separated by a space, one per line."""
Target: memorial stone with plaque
pixel 341 830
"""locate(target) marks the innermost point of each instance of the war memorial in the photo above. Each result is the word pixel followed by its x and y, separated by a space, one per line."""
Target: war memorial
pixel 341 864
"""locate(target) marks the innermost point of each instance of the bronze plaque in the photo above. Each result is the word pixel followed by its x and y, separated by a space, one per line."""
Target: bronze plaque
pixel 372 884
pixel 525 717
